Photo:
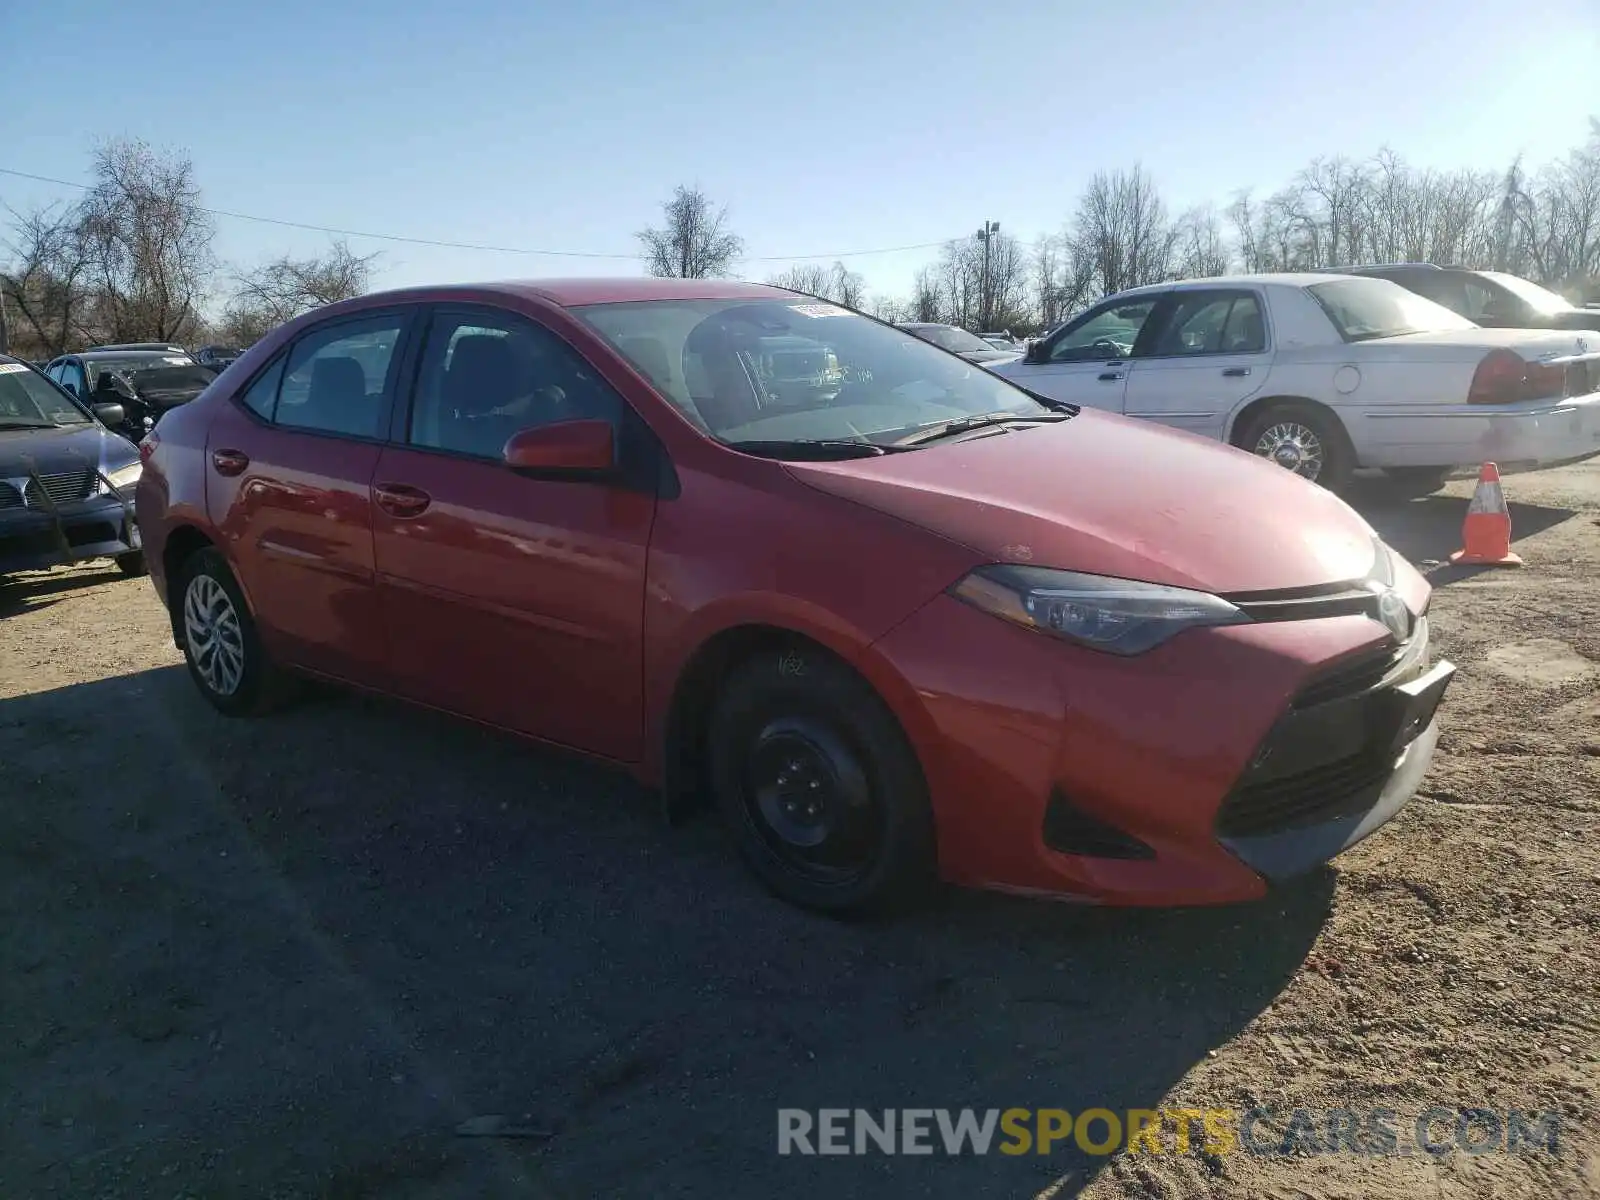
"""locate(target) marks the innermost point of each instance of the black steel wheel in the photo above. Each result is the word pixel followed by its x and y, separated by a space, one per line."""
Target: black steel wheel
pixel 818 785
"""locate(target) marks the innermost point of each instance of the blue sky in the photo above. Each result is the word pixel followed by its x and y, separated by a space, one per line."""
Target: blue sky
pixel 824 126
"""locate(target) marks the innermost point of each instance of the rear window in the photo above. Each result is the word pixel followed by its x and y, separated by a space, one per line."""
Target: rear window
pixel 1364 309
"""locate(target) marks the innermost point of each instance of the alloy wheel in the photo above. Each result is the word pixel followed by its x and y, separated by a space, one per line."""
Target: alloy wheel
pixel 1294 447
pixel 213 634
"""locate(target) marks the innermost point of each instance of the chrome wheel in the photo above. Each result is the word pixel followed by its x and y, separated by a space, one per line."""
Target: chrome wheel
pixel 1294 447
pixel 212 632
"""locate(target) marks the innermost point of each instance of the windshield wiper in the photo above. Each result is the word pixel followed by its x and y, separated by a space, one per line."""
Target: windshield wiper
pixel 944 429
pixel 814 449
pixel 24 423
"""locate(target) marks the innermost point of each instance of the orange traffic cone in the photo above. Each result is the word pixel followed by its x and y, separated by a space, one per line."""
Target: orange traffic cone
pixel 1486 533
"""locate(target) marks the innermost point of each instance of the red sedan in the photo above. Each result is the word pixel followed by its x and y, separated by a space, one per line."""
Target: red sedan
pixel 900 618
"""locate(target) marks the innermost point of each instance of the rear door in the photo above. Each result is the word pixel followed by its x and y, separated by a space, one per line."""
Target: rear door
pixel 512 598
pixel 1205 352
pixel 290 465
pixel 1086 361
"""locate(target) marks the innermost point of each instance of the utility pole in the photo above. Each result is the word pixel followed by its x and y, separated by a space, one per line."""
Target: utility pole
pixel 990 228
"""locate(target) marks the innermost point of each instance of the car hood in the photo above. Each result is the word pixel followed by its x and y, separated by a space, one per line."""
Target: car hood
pixel 68 448
pixel 1114 496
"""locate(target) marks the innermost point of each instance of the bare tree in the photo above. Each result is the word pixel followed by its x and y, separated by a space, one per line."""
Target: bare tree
pixel 837 283
pixel 44 287
pixel 1202 248
pixel 1122 227
pixel 694 242
pixel 149 242
pixel 282 289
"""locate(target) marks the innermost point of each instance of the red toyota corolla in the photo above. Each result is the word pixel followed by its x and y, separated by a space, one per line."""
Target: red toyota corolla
pixel 898 617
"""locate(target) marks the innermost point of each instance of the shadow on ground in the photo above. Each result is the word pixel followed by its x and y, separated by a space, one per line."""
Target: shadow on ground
pixel 41 589
pixel 1427 529
pixel 289 956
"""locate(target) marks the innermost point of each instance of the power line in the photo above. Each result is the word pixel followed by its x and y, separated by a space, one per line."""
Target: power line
pixel 415 241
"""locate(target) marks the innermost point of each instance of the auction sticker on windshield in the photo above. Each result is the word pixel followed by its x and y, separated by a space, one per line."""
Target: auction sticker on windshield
pixel 11 368
pixel 819 310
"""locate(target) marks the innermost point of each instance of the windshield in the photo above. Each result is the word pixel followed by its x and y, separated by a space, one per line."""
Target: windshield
pixel 1364 309
pixel 28 398
pixel 836 375
pixel 1541 300
pixel 957 341
pixel 140 360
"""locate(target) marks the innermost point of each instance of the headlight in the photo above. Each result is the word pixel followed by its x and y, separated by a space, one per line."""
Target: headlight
pixel 126 477
pixel 1120 616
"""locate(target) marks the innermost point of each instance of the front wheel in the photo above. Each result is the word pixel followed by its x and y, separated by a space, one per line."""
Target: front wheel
pixel 220 642
pixel 132 564
pixel 818 786
pixel 1304 438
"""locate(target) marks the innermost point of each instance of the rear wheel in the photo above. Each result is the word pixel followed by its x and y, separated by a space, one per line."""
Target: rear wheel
pixel 819 788
pixel 1303 438
pixel 220 641
pixel 132 564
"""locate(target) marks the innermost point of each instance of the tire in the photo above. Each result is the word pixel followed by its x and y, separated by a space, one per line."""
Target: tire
pixel 789 723
pixel 210 592
pixel 132 564
pixel 1417 481
pixel 1308 431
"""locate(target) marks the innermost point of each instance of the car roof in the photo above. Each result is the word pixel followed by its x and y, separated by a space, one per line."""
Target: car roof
pixel 572 292
pixel 1293 279
pixel 122 352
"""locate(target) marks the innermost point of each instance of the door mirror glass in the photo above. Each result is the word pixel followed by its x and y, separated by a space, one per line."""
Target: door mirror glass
pixel 583 445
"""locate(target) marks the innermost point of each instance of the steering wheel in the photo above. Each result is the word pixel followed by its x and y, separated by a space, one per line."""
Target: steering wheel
pixel 1108 344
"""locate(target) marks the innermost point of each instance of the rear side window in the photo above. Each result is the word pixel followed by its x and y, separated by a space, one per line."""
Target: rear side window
pixel 336 377
pixel 261 397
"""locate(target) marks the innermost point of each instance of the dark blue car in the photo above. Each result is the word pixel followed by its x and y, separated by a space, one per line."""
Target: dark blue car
pixel 66 481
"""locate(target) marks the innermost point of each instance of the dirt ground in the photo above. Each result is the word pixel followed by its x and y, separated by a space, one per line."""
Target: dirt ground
pixel 290 957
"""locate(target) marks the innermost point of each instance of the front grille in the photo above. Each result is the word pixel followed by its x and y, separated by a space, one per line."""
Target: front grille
pixel 1351 676
pixel 64 487
pixel 1323 793
pixel 9 496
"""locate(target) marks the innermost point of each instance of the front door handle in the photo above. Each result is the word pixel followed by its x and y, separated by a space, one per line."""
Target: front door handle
pixel 1110 376
pixel 1235 372
pixel 229 462
pixel 401 499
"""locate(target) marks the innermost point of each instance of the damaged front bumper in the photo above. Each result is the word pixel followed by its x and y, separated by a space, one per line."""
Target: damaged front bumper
pixel 38 530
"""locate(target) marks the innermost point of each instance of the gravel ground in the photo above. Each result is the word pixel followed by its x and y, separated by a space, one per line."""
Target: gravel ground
pixel 290 957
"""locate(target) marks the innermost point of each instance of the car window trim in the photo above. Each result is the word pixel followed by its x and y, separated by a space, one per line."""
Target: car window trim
pixel 1158 320
pixel 407 314
pixel 643 464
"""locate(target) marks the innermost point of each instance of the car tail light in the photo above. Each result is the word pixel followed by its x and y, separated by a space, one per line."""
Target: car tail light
pixel 1505 377
pixel 147 446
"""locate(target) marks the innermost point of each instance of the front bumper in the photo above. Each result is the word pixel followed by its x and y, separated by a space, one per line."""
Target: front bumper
pixel 1194 774
pixel 1544 434
pixel 34 539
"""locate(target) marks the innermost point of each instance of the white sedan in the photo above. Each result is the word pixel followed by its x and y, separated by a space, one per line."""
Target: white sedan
pixel 1326 373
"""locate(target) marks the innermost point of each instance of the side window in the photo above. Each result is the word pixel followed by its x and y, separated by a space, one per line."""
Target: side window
pixel 335 378
pixel 53 372
pixel 1212 323
pixel 1106 333
pixel 72 379
pixel 1477 301
pixel 261 397
pixel 1244 332
pixel 486 376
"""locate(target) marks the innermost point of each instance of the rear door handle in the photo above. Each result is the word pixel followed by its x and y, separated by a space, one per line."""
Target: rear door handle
pixel 1110 376
pixel 229 462
pixel 1235 372
pixel 401 499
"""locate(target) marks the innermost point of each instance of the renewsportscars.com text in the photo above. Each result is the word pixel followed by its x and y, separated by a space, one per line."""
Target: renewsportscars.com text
pixel 1437 1130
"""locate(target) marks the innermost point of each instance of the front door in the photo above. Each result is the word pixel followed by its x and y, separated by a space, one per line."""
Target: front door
pixel 1086 361
pixel 513 599
pixel 289 470
pixel 1206 353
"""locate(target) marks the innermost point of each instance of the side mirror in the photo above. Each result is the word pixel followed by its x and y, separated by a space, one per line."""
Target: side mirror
pixel 1034 353
pixel 587 446
pixel 110 413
